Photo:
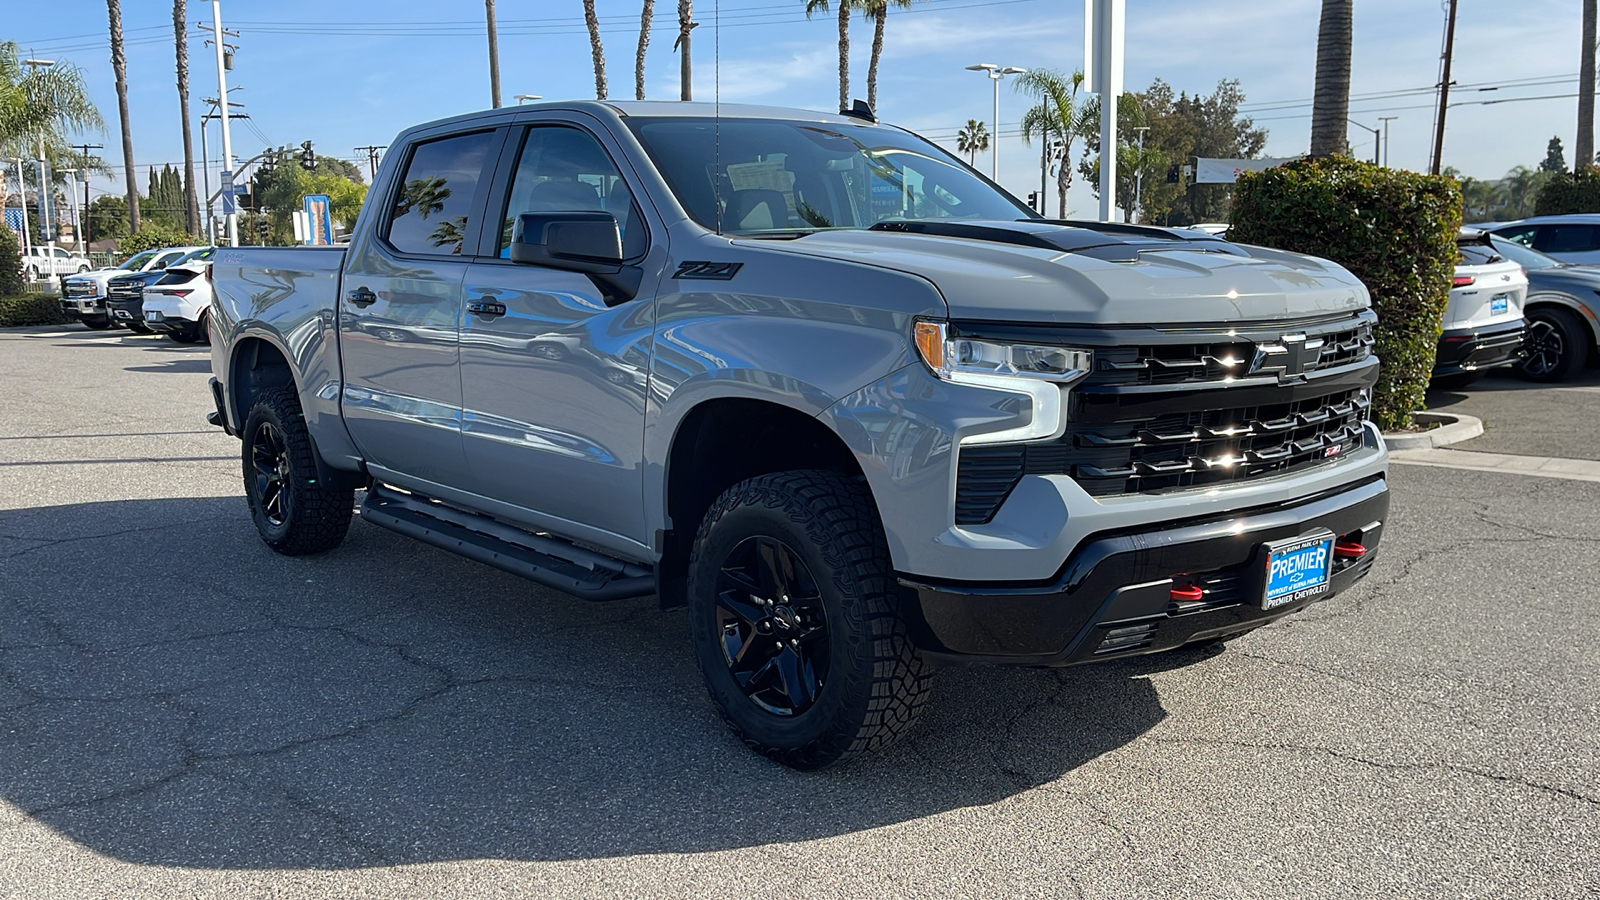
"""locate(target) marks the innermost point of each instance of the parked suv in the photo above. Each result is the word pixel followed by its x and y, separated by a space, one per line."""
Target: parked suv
pixel 1573 238
pixel 1483 324
pixel 177 303
pixel 1563 313
pixel 818 381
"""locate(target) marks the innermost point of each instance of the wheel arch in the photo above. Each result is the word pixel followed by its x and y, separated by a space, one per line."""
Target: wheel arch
pixel 721 442
pixel 256 364
pixel 1569 302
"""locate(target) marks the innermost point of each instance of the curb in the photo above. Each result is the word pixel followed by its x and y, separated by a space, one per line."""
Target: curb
pixel 1453 429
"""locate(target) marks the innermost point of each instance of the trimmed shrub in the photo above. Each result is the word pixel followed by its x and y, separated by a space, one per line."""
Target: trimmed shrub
pixel 11 283
pixel 31 309
pixel 1569 192
pixel 1394 230
pixel 154 236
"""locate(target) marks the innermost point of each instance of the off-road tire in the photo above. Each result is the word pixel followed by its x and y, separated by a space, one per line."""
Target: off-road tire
pixel 183 337
pixel 876 681
pixel 314 518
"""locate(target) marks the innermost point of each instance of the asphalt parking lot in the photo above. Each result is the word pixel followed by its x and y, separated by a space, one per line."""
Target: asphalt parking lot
pixel 184 713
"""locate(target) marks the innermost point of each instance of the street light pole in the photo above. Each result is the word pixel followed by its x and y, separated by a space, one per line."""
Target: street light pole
pixel 1386 120
pixel 1377 139
pixel 228 205
pixel 995 73
pixel 44 189
pixel 22 194
pixel 77 217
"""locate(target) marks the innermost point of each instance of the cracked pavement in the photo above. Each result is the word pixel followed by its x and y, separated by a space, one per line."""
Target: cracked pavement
pixel 184 713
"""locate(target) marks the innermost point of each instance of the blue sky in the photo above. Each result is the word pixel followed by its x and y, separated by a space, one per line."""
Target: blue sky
pixel 348 73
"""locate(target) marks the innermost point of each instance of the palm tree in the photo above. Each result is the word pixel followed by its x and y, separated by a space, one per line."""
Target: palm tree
pixel 844 6
pixel 972 140
pixel 40 107
pixel 119 65
pixel 1056 118
pixel 1583 149
pixel 686 23
pixel 180 37
pixel 596 49
pixel 647 13
pixel 878 12
pixel 1330 104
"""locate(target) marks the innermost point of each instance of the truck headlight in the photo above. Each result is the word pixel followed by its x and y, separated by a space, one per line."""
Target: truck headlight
pixel 1039 371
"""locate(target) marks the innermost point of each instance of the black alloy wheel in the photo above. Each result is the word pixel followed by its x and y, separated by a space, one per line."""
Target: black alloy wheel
pixel 269 458
pixel 293 510
pixel 774 629
pixel 1555 348
pixel 795 618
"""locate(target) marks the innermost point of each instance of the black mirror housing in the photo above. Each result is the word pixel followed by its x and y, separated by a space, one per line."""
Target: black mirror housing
pixel 577 241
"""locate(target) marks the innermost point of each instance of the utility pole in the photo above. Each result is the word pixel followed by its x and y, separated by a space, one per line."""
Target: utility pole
pixel 77 216
pixel 1444 87
pixel 22 194
pixel 372 156
pixel 1102 71
pixel 84 223
pixel 1138 179
pixel 1583 148
pixel 1386 120
pixel 218 37
pixel 494 55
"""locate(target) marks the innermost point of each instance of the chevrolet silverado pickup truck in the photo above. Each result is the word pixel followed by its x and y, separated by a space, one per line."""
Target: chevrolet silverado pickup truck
pixel 813 378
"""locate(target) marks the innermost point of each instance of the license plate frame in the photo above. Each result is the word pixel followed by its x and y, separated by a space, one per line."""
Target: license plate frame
pixel 1499 303
pixel 1306 570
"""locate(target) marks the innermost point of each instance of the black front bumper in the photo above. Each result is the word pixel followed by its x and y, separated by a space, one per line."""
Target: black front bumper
pixel 1113 596
pixel 1475 349
pixel 128 313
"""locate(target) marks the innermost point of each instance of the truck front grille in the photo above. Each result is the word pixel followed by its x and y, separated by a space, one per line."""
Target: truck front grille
pixel 125 291
pixel 79 290
pixel 1185 415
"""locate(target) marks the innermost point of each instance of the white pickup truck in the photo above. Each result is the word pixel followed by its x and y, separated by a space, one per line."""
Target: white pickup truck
pixel 39 262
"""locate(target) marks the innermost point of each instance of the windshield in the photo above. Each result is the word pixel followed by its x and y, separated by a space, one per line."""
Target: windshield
pixel 200 255
pixel 755 176
pixel 1527 257
pixel 137 260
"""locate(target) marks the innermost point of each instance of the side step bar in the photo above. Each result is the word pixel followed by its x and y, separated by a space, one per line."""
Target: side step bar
pixel 549 561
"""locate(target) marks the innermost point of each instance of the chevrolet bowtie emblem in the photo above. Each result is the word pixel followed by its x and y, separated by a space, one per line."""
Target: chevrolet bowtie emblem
pixel 1288 358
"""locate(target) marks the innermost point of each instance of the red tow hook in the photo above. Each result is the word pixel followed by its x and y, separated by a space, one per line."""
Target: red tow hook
pixel 1189 593
pixel 1348 550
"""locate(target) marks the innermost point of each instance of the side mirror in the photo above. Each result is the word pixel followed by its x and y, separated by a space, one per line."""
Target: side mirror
pixel 577 241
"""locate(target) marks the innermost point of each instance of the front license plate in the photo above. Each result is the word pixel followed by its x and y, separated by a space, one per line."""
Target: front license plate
pixel 1499 303
pixel 1298 569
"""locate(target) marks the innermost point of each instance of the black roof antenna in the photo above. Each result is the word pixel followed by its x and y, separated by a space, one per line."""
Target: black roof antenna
pixel 860 110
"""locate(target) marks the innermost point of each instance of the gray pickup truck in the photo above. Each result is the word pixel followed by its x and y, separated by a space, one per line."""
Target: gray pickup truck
pixel 818 381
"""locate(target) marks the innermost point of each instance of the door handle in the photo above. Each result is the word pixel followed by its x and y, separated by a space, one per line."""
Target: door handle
pixel 486 306
pixel 361 296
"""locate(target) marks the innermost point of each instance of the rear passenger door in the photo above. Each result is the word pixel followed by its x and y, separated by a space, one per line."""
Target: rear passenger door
pixel 1569 242
pixel 400 298
pixel 553 377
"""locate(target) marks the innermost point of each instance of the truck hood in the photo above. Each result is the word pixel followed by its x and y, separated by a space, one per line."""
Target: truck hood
pixel 1038 271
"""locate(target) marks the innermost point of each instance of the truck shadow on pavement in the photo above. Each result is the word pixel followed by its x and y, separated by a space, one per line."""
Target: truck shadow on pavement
pixel 175 694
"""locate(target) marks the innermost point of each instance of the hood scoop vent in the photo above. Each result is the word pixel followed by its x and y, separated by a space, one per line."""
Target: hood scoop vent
pixel 1102 240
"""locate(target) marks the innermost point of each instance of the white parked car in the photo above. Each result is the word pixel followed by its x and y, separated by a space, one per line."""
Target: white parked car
pixel 39 262
pixel 1483 324
pixel 1571 238
pixel 83 296
pixel 177 304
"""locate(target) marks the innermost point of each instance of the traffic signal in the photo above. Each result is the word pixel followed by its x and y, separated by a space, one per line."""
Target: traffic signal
pixel 262 228
pixel 308 157
pixel 1033 200
pixel 1174 175
pixel 269 159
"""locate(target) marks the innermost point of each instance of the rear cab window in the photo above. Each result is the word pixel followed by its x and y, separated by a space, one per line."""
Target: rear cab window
pixel 431 213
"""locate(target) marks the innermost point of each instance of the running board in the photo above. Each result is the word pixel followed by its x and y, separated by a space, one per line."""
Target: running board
pixel 543 559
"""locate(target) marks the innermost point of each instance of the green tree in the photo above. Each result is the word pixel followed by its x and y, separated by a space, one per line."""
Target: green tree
pixel 686 24
pixel 180 39
pixel 11 282
pixel 281 190
pixel 40 106
pixel 343 168
pixel 647 13
pixel 972 140
pixel 108 216
pixel 843 6
pixel 1555 159
pixel 1056 119
pixel 154 234
pixel 1330 104
pixel 1183 126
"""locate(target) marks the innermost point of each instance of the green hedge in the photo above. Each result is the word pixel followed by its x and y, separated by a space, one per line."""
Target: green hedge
pixel 155 236
pixel 1569 192
pixel 31 309
pixel 1394 230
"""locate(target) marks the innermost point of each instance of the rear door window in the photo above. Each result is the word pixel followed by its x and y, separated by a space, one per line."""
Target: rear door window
pixel 1566 239
pixel 433 208
pixel 1522 234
